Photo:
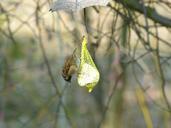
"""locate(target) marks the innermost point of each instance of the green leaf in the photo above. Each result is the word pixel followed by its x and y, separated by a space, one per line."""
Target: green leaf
pixel 88 75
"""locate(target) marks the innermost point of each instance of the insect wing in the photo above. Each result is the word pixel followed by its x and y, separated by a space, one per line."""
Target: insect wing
pixel 76 5
pixel 88 3
pixel 68 5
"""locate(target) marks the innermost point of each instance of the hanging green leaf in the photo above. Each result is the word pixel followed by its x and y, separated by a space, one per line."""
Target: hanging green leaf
pixel 88 75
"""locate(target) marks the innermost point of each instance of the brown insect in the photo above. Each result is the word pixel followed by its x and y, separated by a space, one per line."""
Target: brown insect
pixel 70 67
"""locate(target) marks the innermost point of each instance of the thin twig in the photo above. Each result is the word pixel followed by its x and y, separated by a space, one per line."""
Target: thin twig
pixel 109 99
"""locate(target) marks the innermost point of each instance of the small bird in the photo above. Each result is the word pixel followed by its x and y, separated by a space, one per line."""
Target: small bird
pixel 70 67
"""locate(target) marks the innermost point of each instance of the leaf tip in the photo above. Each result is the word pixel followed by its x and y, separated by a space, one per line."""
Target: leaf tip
pixel 90 89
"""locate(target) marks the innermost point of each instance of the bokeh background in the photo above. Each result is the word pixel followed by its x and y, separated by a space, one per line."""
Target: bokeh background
pixel 130 43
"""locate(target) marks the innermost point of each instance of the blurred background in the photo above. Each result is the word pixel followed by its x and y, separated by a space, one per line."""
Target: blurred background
pixel 130 43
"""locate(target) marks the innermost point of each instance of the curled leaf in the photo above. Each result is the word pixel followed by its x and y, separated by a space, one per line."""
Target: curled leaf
pixel 88 75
